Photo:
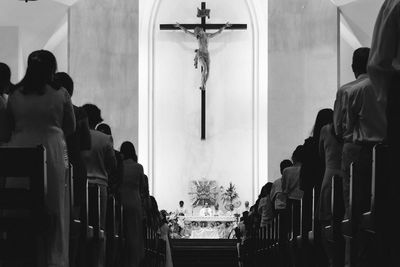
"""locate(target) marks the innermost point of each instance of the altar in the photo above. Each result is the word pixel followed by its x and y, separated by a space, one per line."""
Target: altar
pixel 208 227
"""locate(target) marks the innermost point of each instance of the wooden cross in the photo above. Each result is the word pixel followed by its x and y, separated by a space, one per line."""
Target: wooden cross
pixel 203 13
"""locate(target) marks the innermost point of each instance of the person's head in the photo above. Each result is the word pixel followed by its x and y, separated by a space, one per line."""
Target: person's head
pixel 246 204
pixel 5 76
pixel 94 115
pixel 181 203
pixel 164 214
pixel 265 190
pixel 104 128
pixel 324 117
pixel 42 67
pixel 64 80
pixel 360 61
pixel 198 31
pixel 128 151
pixel 285 164
pixel 245 214
pixel 298 154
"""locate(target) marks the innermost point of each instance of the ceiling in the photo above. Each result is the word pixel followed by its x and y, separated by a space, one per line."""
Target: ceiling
pixel 359 17
pixel 37 21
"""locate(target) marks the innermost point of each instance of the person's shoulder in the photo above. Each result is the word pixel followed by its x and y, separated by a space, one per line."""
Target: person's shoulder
pixel 100 136
pixel 80 112
pixel 278 181
pixel 345 87
pixel 326 129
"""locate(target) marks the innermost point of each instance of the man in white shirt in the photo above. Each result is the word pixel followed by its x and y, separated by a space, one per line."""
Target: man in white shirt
pixel 291 176
pixel 384 71
pixel 278 198
pixel 181 210
pixel 384 65
pixel 206 210
pixel 366 116
pixel 342 128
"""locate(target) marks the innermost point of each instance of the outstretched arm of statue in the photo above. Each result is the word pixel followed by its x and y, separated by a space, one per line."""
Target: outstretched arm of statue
pixel 177 25
pixel 227 25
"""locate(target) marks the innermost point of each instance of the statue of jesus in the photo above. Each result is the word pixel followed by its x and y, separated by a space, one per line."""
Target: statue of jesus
pixel 202 53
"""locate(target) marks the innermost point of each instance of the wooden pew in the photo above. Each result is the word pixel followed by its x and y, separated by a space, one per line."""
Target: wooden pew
pixel 22 210
pixel 347 224
pixel 370 220
pixel 94 221
pixel 294 207
pixel 76 222
pixel 113 236
pixel 333 231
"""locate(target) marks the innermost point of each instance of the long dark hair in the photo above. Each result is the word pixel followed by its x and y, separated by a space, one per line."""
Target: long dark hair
pixel 265 190
pixel 42 66
pixel 324 117
pixel 129 151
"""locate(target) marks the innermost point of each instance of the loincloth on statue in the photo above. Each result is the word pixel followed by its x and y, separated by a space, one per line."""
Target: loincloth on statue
pixel 202 55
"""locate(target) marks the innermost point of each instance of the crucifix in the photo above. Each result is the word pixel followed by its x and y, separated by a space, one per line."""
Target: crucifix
pixel 201 54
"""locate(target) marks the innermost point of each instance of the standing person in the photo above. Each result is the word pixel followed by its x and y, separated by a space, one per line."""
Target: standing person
pixel 366 116
pixel 100 162
pixel 384 72
pixel 291 188
pixel 291 176
pixel 77 142
pixel 311 176
pixel 278 198
pixel 330 149
pixel 265 208
pixel 342 128
pixel 181 210
pixel 115 179
pixel 40 112
pixel 5 75
pixel 132 182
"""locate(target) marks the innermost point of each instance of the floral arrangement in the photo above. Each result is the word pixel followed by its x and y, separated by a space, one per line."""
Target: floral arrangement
pixel 204 191
pixel 230 197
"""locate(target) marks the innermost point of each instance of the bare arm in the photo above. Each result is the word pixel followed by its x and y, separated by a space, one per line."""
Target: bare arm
pixel 227 25
pixel 177 25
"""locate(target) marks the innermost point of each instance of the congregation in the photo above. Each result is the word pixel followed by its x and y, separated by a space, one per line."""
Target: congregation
pixel 319 212
pixel 39 111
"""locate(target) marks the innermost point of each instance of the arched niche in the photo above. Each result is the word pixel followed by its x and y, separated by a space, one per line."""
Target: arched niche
pixel 169 105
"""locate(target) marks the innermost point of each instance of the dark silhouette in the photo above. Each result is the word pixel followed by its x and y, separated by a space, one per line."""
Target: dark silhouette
pixel 131 190
pixel 115 179
pixel 5 75
pixel 77 142
pixel 40 112
pixel 100 162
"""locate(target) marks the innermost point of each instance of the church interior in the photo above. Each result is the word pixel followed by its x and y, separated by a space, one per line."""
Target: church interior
pixel 167 133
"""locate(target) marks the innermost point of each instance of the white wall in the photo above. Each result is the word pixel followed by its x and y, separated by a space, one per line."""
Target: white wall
pixel 9 49
pixel 35 23
pixel 356 29
pixel 169 105
pixel 303 64
pixel 104 62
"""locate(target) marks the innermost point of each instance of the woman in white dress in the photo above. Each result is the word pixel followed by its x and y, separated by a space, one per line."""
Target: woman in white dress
pixel 40 112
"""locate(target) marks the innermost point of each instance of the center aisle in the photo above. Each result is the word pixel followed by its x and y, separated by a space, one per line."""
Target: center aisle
pixel 204 252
